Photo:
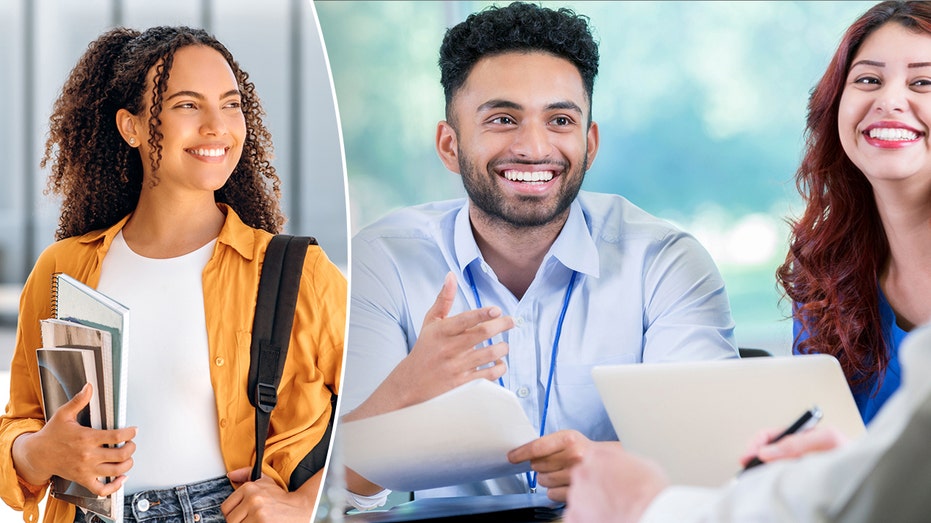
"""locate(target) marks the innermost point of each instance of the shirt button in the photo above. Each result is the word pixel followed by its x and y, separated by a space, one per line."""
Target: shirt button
pixel 523 392
pixel 142 505
pixel 219 362
pixel 519 321
pixel 223 423
pixel 196 517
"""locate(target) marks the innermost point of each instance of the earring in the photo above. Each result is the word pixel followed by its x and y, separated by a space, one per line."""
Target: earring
pixel 132 141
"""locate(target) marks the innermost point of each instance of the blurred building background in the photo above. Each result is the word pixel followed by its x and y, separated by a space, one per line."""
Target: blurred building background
pixel 701 107
pixel 276 41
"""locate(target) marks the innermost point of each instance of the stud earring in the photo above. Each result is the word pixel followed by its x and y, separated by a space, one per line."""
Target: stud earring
pixel 132 141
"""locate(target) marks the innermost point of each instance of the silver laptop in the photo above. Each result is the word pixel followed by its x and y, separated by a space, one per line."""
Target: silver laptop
pixel 697 418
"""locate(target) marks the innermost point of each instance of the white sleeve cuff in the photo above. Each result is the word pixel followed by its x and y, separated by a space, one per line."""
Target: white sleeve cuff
pixel 680 504
pixel 361 502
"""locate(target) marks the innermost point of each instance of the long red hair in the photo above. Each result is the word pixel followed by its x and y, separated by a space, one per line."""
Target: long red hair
pixel 838 247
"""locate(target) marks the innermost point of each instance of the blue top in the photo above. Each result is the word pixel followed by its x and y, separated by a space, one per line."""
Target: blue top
pixel 646 291
pixel 872 395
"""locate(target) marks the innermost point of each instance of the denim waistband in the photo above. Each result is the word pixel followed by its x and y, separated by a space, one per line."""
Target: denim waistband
pixel 192 503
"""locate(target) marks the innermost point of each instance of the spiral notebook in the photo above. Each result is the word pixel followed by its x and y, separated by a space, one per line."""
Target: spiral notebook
pixel 96 326
pixel 74 301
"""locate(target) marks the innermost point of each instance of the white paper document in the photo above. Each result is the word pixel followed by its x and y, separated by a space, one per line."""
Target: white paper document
pixel 460 436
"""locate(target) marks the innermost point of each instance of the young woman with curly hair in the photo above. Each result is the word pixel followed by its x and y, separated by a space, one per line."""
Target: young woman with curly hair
pixel 159 153
pixel 859 264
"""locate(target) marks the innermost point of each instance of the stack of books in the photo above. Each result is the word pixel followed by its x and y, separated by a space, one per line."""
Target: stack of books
pixel 85 342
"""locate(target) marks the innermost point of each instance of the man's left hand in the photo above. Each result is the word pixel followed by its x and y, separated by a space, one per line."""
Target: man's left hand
pixel 552 457
pixel 265 501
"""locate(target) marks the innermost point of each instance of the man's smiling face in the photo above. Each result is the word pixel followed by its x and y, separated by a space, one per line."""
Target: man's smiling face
pixel 521 137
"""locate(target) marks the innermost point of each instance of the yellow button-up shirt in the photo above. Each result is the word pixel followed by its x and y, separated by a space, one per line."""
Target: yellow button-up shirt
pixel 230 282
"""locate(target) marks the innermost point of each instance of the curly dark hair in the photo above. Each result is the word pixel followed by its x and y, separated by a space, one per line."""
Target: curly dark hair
pixel 98 176
pixel 518 27
pixel 838 247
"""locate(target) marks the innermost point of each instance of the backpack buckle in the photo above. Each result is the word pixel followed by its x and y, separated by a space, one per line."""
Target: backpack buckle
pixel 266 397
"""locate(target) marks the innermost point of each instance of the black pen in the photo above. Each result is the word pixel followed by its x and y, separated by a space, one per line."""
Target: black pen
pixel 806 421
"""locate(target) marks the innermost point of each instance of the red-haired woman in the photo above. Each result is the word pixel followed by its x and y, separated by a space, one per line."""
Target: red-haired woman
pixel 859 264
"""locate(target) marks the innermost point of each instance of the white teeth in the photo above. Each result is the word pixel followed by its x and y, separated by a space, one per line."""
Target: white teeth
pixel 526 176
pixel 209 152
pixel 890 134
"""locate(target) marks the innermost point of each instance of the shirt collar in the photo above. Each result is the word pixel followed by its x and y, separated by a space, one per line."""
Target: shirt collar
pixel 237 234
pixel 574 247
pixel 105 235
pixel 466 250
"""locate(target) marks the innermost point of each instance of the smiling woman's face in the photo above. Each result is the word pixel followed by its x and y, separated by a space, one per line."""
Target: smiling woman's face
pixel 885 109
pixel 202 123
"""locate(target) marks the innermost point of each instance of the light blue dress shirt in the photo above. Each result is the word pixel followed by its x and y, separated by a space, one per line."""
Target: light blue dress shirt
pixel 646 292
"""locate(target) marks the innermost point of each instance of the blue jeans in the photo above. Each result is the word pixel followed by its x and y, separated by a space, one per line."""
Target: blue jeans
pixel 193 503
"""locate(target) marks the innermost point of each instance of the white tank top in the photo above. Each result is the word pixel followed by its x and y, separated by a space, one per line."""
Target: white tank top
pixel 170 397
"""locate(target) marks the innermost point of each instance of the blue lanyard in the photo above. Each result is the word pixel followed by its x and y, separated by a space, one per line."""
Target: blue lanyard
pixel 532 478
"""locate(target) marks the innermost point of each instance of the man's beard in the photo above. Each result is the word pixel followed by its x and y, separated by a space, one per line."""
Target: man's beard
pixel 526 211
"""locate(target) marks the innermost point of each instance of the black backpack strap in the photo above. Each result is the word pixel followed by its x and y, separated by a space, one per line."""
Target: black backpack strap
pixel 271 330
pixel 316 458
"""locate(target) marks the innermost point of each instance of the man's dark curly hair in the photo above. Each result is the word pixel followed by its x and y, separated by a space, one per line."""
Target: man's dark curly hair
pixel 519 27
pixel 98 175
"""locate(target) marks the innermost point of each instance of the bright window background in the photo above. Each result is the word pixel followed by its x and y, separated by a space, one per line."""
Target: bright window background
pixel 701 107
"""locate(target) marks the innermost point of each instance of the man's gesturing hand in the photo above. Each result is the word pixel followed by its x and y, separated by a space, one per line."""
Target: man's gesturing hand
pixel 444 356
